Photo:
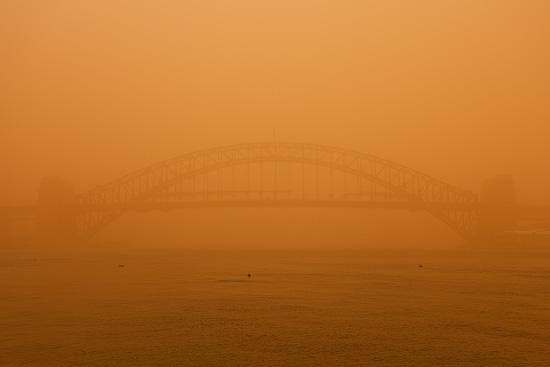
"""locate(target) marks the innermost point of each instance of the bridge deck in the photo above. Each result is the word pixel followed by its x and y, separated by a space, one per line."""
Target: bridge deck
pixel 29 212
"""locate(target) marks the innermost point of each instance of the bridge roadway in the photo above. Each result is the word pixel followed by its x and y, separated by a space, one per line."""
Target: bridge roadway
pixel 30 212
pixel 278 203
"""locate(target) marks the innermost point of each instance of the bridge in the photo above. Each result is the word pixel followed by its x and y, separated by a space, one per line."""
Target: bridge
pixel 277 174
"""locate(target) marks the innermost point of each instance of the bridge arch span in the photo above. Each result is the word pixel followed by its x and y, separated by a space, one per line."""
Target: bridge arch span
pixel 390 182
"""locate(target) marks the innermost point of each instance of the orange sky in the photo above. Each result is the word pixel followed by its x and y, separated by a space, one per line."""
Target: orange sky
pixel 91 90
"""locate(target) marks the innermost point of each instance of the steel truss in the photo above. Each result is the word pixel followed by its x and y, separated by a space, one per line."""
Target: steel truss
pixel 172 183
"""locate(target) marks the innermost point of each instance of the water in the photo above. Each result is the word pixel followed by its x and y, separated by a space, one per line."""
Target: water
pixel 299 308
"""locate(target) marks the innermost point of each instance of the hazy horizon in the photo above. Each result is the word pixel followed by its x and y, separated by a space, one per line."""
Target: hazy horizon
pixel 92 91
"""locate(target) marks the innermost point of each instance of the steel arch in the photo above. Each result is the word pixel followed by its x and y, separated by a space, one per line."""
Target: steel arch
pixel 98 207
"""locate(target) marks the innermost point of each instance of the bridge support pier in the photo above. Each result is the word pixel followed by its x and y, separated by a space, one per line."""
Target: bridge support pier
pixel 498 209
pixel 56 215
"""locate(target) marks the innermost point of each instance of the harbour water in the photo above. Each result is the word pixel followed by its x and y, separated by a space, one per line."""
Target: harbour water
pixel 298 308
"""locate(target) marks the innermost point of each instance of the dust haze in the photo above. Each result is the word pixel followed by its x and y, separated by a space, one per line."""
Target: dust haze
pixel 274 183
pixel 93 90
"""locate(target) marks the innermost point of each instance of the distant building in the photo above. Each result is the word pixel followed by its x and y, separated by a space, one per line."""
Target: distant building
pixel 525 238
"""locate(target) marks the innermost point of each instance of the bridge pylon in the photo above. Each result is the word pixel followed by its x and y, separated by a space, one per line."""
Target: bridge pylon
pixel 498 210
pixel 56 215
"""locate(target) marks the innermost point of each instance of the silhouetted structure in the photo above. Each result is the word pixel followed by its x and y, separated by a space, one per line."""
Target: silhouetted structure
pixel 498 208
pixel 56 215
pixel 278 174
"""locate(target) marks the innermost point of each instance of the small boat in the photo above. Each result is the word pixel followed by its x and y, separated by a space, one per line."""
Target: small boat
pixel 420 265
